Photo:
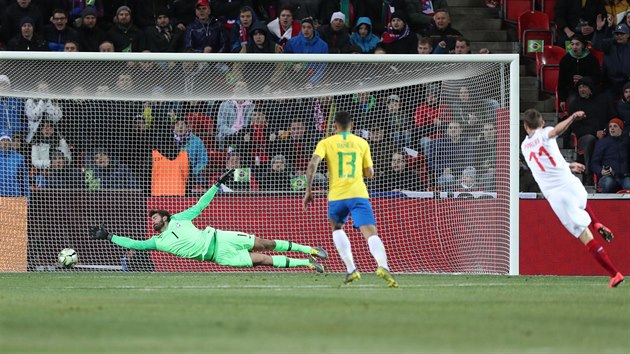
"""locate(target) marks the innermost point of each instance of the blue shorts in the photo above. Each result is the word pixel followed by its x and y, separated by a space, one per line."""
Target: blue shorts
pixel 359 208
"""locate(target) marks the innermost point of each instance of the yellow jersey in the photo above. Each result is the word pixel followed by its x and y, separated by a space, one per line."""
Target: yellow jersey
pixel 346 156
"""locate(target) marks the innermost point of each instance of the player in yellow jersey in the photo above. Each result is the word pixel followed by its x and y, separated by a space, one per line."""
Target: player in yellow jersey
pixel 349 160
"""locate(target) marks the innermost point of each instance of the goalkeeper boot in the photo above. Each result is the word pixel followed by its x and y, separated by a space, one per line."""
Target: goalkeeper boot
pixel 318 252
pixel 350 277
pixel 313 264
pixel 604 231
pixel 616 280
pixel 386 275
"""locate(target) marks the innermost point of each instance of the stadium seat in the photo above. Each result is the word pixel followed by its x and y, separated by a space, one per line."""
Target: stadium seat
pixel 597 53
pixel 514 8
pixel 534 26
pixel 548 68
pixel 546 6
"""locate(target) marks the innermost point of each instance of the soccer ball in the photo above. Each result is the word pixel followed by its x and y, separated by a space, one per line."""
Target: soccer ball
pixel 68 258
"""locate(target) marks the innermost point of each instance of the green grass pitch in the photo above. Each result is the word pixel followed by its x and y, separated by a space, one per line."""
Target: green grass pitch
pixel 310 313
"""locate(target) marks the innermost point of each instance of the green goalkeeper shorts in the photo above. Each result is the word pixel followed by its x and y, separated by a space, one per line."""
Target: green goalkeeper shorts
pixel 232 248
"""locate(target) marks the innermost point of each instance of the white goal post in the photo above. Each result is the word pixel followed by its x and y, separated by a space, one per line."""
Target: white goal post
pixel 101 136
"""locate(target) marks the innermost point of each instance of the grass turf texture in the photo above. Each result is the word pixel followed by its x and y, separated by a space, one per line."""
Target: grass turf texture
pixel 275 312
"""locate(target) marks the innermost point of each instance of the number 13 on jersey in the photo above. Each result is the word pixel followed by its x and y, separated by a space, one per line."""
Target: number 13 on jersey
pixel 347 164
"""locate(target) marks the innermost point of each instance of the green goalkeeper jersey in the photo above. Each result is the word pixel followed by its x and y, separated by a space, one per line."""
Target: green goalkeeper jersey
pixel 181 237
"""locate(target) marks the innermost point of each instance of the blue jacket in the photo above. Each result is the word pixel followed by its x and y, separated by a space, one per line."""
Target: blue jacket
pixel 367 43
pixel 198 36
pixel 13 175
pixel 197 154
pixel 11 110
pixel 616 59
pixel 303 45
pixel 611 151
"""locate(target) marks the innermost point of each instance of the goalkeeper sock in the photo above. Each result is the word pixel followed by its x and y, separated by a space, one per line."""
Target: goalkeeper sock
pixel 342 243
pixel 286 262
pixel 284 246
pixel 599 253
pixel 378 251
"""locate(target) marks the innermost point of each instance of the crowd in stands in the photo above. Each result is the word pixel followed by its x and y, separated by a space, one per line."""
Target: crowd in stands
pixel 599 87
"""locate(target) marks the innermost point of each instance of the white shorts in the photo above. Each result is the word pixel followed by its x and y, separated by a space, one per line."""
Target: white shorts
pixel 569 203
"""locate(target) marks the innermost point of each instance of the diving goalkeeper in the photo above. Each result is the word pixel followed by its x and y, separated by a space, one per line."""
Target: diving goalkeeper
pixel 180 237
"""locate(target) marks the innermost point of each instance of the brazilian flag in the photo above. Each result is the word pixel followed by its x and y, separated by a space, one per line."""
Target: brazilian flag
pixel 535 45
pixel 242 175
pixel 298 183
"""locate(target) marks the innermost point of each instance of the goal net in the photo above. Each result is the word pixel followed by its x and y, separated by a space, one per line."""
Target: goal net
pixel 91 138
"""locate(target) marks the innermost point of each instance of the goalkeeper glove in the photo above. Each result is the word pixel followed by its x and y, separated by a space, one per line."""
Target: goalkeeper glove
pixel 100 233
pixel 224 177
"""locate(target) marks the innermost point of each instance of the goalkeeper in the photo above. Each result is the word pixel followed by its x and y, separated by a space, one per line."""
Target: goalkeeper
pixel 180 237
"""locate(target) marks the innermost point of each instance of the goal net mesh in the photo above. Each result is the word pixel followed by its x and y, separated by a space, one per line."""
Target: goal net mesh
pixel 90 142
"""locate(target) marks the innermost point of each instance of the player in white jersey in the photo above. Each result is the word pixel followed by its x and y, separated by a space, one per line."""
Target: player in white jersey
pixel 564 192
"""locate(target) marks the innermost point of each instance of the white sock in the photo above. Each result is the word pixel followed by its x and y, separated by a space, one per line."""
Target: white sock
pixel 342 243
pixel 378 251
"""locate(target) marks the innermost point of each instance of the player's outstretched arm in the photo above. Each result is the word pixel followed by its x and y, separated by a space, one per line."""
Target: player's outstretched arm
pixel 561 127
pixel 205 199
pixel 101 233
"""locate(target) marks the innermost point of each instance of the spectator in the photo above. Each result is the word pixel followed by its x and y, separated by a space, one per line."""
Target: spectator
pixel 362 106
pixel 14 176
pixel 616 55
pixel 441 32
pixel 71 46
pixel 283 28
pixel 462 46
pixel 106 47
pixel 363 36
pixel 90 34
pixel 125 36
pixel 422 12
pixel 205 34
pixel 229 10
pixel 610 159
pixel 398 38
pixel 599 110
pixel 183 13
pixel 576 64
pixel 296 145
pixel 277 177
pixel 12 15
pixel 57 33
pixel 76 8
pixel 257 139
pixel 617 10
pixel 485 154
pixel 41 109
pixel 27 39
pixel 307 42
pixel 233 116
pixel 572 16
pixel 378 11
pixel 319 10
pixel 260 41
pixel 240 35
pixel 197 153
pixel 623 107
pixel 11 110
pixel 471 112
pixel 45 142
pixel 399 124
pixel 109 173
pixel 449 156
pixel 430 117
pixel 425 46
pixel 163 37
pixel 398 176
pixel 335 34
pixel 110 9
pixel 61 174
